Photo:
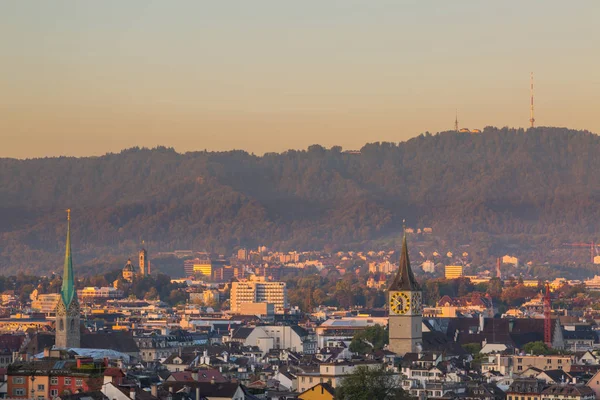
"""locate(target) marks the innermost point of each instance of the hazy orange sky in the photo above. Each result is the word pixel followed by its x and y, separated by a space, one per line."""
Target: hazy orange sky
pixel 86 78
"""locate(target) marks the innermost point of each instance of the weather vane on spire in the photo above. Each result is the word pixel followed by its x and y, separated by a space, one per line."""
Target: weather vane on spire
pixel 403 224
pixel 68 214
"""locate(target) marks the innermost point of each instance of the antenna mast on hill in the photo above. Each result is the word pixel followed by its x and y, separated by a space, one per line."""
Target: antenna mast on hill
pixel 456 122
pixel 531 119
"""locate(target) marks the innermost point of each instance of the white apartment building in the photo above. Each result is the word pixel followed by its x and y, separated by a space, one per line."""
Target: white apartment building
pixel 259 292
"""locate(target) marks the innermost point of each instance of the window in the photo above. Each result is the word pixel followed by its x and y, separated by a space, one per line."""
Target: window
pixel 41 387
pixel 67 381
pixel 79 382
pixel 54 380
pixel 19 380
pixel 520 368
pixel 519 360
pixel 559 361
pixel 54 392
pixel 18 392
pixel 549 361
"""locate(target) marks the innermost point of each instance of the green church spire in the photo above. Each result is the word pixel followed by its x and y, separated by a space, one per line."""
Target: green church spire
pixel 67 291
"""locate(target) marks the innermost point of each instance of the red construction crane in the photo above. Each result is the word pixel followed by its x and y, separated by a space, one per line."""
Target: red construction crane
pixel 590 245
pixel 547 317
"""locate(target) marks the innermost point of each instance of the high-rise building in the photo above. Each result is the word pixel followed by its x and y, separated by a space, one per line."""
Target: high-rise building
pixel 405 308
pixel 259 292
pixel 67 309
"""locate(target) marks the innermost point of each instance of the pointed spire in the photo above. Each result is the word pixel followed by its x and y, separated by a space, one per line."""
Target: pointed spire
pixel 404 280
pixel 67 291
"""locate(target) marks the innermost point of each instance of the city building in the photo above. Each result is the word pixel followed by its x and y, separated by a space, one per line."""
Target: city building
pixel 405 303
pixel 49 378
pixel 331 373
pixel 448 307
pixel 258 292
pixel 453 271
pixel 90 293
pixel 428 266
pixel 560 391
pixel 510 260
pixel 198 266
pixel 45 303
pixel 529 388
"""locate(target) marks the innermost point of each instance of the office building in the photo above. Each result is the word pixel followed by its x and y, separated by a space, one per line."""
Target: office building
pixel 259 292
pixel 453 271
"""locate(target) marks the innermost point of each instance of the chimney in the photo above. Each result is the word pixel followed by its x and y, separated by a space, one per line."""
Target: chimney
pixel 132 393
pixel 154 390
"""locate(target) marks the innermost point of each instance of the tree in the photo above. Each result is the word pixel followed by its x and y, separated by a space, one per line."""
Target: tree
pixel 537 348
pixel 370 339
pixel 366 383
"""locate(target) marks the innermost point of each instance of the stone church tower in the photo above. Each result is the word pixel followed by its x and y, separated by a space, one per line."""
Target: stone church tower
pixel 68 333
pixel 405 301
pixel 143 260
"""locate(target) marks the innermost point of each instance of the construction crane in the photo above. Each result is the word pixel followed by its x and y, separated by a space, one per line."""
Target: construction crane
pixel 547 317
pixel 591 245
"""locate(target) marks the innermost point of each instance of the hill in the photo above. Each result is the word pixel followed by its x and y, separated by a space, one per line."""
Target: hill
pixel 526 189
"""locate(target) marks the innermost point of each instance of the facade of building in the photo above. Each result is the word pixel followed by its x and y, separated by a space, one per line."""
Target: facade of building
pixel 47 379
pixel 45 303
pixel 68 332
pixel 405 308
pixel 428 266
pixel 198 266
pixel 259 292
pixel 96 293
pixel 453 271
pixel 330 373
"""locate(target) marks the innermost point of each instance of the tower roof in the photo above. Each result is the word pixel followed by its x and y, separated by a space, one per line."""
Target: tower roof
pixel 67 291
pixel 404 279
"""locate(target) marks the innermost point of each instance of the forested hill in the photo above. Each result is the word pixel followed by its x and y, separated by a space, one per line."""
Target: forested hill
pixel 502 182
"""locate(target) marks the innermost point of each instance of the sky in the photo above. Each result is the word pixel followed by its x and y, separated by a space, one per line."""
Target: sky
pixel 82 78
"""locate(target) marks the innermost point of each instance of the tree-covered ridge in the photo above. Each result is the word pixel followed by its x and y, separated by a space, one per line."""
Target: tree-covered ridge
pixel 542 181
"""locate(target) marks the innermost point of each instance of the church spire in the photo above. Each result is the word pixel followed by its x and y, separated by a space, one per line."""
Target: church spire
pixel 67 291
pixel 404 280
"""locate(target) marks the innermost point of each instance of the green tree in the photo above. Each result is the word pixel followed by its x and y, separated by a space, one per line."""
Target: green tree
pixel 370 339
pixel 537 348
pixel 369 384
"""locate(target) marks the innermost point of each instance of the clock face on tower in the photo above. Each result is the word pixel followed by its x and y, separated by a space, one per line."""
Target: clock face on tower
pixel 400 303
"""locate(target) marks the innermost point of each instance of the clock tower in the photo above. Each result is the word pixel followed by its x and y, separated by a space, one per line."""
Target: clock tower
pixel 405 308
